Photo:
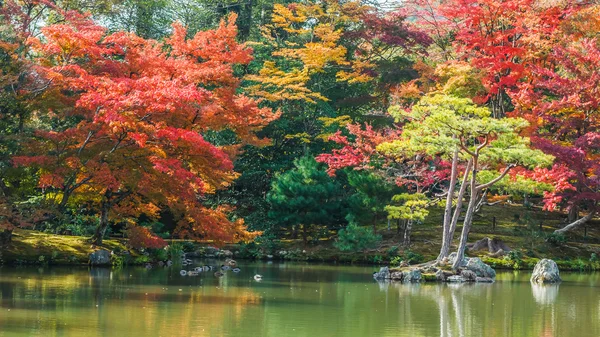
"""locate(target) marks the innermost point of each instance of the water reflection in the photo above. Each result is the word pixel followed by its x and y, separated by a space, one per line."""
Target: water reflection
pixel 544 293
pixel 292 300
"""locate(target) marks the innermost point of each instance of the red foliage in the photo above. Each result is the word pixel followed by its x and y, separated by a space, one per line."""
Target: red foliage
pixel 134 111
pixel 357 153
pixel 141 238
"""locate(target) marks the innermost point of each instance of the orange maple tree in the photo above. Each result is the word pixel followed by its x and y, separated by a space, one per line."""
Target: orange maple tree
pixel 128 118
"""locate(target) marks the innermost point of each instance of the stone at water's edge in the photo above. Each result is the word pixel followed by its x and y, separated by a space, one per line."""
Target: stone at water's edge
pixel 382 274
pixel 397 276
pixel 440 275
pixel 475 265
pixel 479 268
pixel 456 278
pixel 468 275
pixel 411 276
pixel 484 280
pixel 545 271
pixel 100 257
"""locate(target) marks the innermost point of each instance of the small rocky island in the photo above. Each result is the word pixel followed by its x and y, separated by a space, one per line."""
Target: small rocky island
pixel 472 270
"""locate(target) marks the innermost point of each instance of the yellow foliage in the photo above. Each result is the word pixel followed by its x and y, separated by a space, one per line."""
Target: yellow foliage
pixel 310 46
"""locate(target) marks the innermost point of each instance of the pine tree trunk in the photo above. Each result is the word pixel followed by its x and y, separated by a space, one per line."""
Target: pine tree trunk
pixel 460 254
pixel 575 224
pixel 304 235
pixel 448 210
pixel 407 233
pixel 445 250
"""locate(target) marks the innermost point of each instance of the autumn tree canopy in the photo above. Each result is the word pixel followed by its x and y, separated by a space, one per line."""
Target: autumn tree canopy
pixel 130 114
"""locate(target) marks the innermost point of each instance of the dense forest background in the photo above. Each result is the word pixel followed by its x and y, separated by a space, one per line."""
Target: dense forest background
pixel 222 120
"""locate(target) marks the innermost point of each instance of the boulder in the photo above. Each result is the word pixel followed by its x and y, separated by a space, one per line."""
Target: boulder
pixel 100 257
pixel 545 271
pixel 210 251
pixel 493 246
pixel 382 274
pixel 397 276
pixel 411 276
pixel 455 278
pixel 452 258
pixel 468 275
pixel 440 275
pixel 484 280
pixel 479 268
pixel 224 253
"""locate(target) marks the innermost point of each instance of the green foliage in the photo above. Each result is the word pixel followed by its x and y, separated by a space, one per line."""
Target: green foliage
pixel 356 238
pixel 439 123
pixel 376 259
pixel 411 207
pixel 409 257
pixel 306 196
pixel 186 246
pixel 392 251
pixel 395 261
pixel 174 251
pixel 556 239
pixel 517 185
pixel 594 258
pixel 159 254
pixel 117 261
pixel 515 257
pixel 371 194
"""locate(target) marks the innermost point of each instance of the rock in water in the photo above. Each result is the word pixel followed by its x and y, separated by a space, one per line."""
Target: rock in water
pixel 479 268
pixel 382 274
pixel 411 276
pixel 100 257
pixel 545 271
pixel 456 278
pixel 397 276
pixel 468 275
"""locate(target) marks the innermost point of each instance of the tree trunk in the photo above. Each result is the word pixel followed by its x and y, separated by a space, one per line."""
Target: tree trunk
pixel 576 224
pixel 573 214
pixel 5 236
pixel 305 234
pixel 407 233
pixel 445 250
pixel 103 225
pixel 459 201
pixel 460 254
pixel 448 210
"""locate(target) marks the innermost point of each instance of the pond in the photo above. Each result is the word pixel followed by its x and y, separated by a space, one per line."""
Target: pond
pixel 293 299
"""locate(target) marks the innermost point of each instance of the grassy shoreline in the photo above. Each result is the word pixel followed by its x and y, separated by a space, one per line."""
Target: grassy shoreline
pixel 525 230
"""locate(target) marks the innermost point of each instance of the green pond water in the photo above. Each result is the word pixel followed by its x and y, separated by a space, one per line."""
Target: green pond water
pixel 293 299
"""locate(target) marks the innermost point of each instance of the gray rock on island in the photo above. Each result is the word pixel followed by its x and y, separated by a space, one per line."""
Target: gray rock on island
pixel 382 274
pixel 545 271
